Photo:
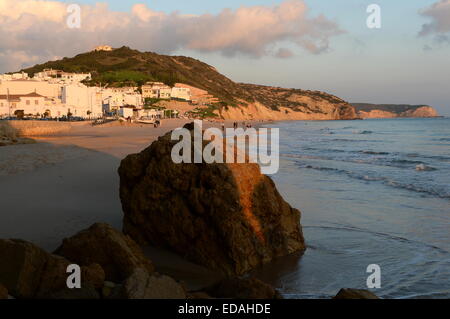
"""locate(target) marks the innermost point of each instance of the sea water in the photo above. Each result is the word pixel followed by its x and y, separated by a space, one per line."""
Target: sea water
pixel 370 192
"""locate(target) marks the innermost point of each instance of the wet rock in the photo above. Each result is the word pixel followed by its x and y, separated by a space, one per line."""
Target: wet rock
pixel 243 288
pixel 228 217
pixel 115 252
pixel 142 285
pixel 347 293
pixel 28 271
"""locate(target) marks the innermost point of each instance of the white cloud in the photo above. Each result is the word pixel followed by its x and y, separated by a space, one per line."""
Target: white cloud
pixel 37 29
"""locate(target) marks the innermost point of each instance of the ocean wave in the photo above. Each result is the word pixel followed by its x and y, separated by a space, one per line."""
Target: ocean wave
pixel 362 132
pixel 423 167
pixel 441 193
pixel 374 153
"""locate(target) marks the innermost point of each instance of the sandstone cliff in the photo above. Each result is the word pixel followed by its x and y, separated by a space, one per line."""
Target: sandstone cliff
pixel 372 111
pixel 274 103
pixel 228 217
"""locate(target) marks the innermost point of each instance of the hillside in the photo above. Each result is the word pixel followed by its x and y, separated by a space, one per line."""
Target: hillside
pixel 124 66
pixel 366 110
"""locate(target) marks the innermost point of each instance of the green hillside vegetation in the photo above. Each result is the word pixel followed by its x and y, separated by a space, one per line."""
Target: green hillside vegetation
pixel 125 66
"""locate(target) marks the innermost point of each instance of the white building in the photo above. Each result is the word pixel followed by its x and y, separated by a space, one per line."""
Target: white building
pixel 57 76
pixel 103 48
pixel 181 93
pixel 156 90
pixel 115 98
pixel 32 104
pixel 83 101
pixel 14 76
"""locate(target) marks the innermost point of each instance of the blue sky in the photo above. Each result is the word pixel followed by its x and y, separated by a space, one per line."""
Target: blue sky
pixel 387 65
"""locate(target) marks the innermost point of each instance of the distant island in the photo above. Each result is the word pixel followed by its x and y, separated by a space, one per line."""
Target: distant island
pixel 371 111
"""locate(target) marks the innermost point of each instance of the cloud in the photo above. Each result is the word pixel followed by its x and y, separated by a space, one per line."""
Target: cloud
pixel 284 53
pixel 439 25
pixel 37 30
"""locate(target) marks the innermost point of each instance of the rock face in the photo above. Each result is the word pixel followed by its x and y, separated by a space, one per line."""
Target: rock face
pixel 27 271
pixel 249 288
pixel 117 253
pixel 347 293
pixel 227 217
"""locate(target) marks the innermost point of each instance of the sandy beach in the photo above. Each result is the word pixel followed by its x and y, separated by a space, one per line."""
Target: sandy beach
pixel 66 182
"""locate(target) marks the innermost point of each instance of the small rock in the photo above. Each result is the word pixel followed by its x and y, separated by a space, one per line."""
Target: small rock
pixel 93 274
pixel 115 252
pixel 248 288
pixel 348 293
pixel 142 285
pixel 108 289
pixel 3 292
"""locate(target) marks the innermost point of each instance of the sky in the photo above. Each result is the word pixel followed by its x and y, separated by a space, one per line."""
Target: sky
pixel 309 44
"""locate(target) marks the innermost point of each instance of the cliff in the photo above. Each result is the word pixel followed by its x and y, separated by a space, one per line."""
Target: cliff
pixel 371 111
pixel 124 66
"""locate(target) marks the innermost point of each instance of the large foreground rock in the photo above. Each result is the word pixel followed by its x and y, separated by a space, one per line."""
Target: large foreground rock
pixel 28 271
pixel 347 293
pixel 117 253
pixel 228 217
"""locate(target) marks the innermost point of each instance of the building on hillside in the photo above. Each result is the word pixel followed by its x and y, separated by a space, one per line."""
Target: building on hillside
pixel 14 76
pixel 113 99
pixel 181 93
pixel 156 90
pixel 198 96
pixel 58 76
pixel 103 48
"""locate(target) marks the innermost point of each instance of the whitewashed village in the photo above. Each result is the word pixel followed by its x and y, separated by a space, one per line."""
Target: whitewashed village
pixel 57 95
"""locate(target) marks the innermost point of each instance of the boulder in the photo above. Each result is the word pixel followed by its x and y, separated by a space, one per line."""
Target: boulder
pixel 227 217
pixel 142 285
pixel 28 271
pixel 348 293
pixel 3 292
pixel 115 252
pixel 243 288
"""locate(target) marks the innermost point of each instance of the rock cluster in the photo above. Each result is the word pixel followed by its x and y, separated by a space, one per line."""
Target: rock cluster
pixel 27 271
pixel 227 217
